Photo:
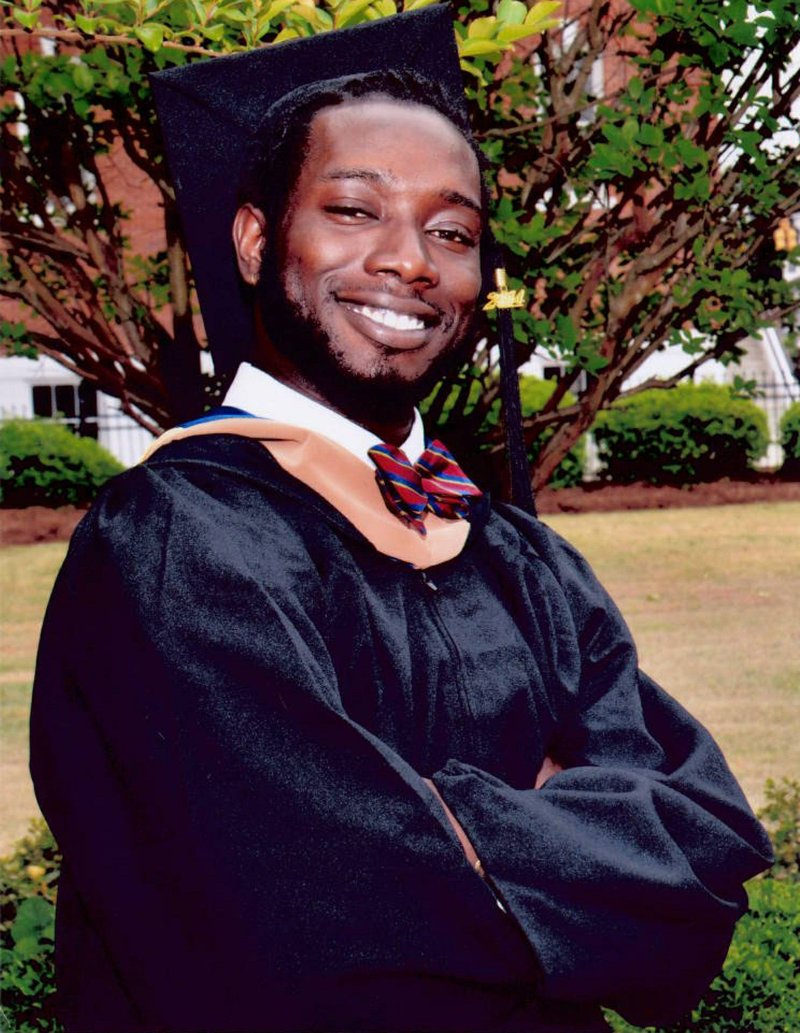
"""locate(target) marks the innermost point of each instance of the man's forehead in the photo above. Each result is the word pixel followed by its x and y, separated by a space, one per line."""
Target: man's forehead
pixel 378 113
pixel 380 140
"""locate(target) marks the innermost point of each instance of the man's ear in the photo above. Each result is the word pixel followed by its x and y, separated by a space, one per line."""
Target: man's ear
pixel 249 238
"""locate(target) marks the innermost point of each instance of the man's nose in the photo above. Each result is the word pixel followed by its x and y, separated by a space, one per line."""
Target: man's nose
pixel 402 250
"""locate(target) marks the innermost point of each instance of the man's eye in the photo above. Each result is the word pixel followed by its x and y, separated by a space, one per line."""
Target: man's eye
pixel 349 212
pixel 454 235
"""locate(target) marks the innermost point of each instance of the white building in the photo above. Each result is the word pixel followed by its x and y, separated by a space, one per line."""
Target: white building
pixel 43 387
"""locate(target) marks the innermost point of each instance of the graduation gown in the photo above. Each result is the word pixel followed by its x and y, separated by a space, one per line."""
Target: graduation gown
pixel 237 700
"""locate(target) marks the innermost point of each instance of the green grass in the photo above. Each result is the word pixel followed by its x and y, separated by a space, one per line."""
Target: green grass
pixel 26 577
pixel 710 595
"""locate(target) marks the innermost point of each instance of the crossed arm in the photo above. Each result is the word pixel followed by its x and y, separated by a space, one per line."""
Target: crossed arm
pixel 548 769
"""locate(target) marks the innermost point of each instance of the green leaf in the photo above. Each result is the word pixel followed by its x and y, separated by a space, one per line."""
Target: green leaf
pixel 151 34
pixel 511 33
pixel 749 141
pixel 566 331
pixel 27 19
pixel 691 155
pixel 478 47
pixel 630 129
pixel 87 25
pixel 472 69
pixel 608 161
pixel 214 32
pixel 349 12
pixel 482 28
pixel 277 7
pixel 540 16
pixel 287 33
pixel 650 135
pixel 512 12
pixel 317 19
pixel 233 14
pixel 35 921
pixel 83 77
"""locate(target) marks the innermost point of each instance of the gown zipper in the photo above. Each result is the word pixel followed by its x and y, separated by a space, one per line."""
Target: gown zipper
pixel 457 659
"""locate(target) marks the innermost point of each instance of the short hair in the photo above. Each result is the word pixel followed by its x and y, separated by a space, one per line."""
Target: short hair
pixel 279 148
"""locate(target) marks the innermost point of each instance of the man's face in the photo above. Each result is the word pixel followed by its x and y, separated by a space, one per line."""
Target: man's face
pixel 378 253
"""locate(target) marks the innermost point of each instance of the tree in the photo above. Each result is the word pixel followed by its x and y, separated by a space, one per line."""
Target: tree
pixel 123 319
pixel 638 211
pixel 642 213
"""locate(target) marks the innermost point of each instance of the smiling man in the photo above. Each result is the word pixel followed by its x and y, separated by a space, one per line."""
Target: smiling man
pixel 330 741
pixel 373 285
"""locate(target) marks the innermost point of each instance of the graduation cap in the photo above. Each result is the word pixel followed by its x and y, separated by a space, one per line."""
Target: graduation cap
pixel 212 111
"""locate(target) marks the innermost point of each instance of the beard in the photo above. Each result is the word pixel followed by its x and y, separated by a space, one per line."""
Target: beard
pixel 381 395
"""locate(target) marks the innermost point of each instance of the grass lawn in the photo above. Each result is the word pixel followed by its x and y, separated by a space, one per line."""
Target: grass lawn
pixel 26 577
pixel 710 594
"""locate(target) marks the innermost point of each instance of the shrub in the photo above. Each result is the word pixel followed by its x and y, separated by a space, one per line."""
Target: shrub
pixel 45 464
pixel 534 393
pixel 28 885
pixel 758 989
pixel 781 817
pixel 681 435
pixel 790 439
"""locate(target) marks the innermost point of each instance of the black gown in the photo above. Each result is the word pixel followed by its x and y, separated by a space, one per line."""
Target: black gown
pixel 237 699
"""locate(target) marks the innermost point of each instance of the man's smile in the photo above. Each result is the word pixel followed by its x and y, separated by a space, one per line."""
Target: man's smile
pixel 388 320
pixel 387 317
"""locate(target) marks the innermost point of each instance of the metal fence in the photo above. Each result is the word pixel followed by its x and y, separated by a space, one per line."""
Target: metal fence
pixel 114 430
pixel 126 440
pixel 775 397
pixel 121 435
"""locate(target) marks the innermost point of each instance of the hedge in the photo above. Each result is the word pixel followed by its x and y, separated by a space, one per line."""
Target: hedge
pixel 28 886
pixel 781 817
pixel 45 464
pixel 790 439
pixel 534 393
pixel 681 435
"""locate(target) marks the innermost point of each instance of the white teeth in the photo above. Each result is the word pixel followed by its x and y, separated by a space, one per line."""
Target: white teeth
pixel 386 317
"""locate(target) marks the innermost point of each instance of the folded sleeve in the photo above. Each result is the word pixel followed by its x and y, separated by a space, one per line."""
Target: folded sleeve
pixel 625 870
pixel 243 855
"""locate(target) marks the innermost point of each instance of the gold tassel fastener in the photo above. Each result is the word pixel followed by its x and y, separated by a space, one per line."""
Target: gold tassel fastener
pixel 503 297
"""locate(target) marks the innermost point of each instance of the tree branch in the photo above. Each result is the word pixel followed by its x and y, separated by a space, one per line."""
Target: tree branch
pixel 84 40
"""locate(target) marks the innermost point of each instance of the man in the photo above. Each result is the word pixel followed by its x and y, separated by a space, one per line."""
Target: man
pixel 321 756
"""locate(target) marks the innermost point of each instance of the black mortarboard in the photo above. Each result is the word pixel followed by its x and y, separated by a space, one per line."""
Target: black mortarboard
pixel 211 111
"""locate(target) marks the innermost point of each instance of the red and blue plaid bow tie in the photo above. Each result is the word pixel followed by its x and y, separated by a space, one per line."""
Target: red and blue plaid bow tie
pixel 435 482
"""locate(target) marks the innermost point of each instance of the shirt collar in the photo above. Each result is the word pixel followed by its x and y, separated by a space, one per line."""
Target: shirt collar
pixel 262 395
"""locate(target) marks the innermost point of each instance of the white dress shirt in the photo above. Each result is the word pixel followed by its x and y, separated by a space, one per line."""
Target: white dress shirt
pixel 260 394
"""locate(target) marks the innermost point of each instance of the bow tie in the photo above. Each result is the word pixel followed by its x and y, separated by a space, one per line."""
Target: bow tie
pixel 435 482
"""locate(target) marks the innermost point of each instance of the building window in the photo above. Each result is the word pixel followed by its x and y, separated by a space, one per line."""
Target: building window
pixel 74 405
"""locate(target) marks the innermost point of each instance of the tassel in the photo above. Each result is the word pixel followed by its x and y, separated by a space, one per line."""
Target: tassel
pixel 504 300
